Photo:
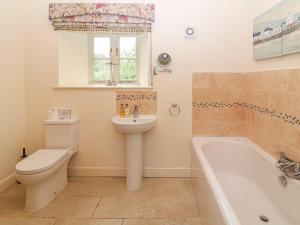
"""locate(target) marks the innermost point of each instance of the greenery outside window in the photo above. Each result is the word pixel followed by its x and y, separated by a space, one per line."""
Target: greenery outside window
pixel 113 58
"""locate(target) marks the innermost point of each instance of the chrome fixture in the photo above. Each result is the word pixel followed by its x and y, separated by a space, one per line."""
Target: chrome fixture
pixel 283 181
pixel 290 168
pixel 174 109
pixel 136 112
pixel 164 61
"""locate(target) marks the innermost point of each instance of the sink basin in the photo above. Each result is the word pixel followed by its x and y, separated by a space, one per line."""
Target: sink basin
pixel 134 128
pixel 132 125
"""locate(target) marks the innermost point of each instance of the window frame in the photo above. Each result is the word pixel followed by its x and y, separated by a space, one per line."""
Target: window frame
pixel 114 59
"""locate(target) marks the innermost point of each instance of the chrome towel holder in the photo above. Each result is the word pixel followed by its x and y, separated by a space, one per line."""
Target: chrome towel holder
pixel 174 110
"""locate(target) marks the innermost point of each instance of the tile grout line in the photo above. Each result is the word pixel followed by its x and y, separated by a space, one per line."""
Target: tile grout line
pixel 56 221
pixel 94 211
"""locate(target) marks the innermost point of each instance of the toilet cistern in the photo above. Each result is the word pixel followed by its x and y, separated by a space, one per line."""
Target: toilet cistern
pixel 133 128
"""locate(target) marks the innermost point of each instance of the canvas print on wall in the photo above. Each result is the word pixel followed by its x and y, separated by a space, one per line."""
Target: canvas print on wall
pixel 277 31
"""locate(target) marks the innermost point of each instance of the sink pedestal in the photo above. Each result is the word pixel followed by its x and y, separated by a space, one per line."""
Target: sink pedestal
pixel 134 173
pixel 133 128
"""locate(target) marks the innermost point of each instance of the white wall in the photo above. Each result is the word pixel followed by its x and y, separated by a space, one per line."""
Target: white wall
pixel 12 87
pixel 255 8
pixel 219 46
pixel 73 58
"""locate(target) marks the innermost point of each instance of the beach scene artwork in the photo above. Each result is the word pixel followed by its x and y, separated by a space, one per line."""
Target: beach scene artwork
pixel 277 32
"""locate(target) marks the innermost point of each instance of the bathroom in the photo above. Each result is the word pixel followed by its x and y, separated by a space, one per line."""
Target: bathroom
pixel 211 68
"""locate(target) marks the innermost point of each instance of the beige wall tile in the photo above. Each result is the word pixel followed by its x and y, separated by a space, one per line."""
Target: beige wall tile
pixel 211 95
pixel 201 80
pixel 294 81
pixel 248 80
pixel 145 100
pixel 277 91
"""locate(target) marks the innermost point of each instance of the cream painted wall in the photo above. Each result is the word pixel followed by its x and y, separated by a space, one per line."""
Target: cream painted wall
pixel 73 50
pixel 255 8
pixel 219 46
pixel 12 86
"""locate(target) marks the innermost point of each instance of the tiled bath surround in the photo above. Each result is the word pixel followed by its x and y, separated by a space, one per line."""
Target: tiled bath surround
pixel 264 106
pixel 145 100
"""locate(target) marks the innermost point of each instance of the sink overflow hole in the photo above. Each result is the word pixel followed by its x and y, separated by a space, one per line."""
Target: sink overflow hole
pixel 264 219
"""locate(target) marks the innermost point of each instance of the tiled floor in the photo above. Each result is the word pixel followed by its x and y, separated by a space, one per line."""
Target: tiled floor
pixel 105 201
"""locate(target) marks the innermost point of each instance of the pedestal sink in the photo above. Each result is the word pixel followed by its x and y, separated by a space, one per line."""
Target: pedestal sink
pixel 134 128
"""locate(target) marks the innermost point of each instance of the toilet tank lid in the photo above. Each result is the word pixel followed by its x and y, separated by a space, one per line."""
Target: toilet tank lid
pixel 61 122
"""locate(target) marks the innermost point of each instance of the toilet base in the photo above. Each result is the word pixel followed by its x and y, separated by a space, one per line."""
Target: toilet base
pixel 39 195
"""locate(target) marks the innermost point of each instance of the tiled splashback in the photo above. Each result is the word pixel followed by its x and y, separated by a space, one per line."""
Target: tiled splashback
pixel 146 101
pixel 264 106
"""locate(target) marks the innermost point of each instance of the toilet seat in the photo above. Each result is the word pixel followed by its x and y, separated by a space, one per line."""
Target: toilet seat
pixel 40 161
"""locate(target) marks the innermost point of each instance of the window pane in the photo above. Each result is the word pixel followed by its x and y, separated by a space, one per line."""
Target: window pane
pixel 127 47
pixel 101 69
pixel 101 47
pixel 127 69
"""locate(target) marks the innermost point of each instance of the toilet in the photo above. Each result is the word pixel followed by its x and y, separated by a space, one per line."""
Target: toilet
pixel 44 173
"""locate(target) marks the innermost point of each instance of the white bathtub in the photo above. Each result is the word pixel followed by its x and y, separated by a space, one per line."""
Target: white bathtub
pixel 236 182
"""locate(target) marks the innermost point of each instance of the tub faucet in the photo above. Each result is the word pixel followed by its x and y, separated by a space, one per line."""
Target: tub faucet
pixel 136 111
pixel 289 167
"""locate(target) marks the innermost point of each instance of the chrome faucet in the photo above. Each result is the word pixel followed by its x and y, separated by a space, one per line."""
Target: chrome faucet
pixel 289 167
pixel 136 111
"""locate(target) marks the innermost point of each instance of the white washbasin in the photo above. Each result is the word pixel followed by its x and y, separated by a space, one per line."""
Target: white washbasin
pixel 132 125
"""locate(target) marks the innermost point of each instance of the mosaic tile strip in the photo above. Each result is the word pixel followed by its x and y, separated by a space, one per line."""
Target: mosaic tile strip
pixel 288 118
pixel 145 100
pixel 137 97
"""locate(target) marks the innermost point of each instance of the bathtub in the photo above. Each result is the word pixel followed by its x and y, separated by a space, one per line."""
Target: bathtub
pixel 236 183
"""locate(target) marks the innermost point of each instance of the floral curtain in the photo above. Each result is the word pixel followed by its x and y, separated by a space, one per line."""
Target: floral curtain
pixel 96 17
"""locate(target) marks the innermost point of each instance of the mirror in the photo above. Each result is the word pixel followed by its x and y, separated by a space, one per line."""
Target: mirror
pixel 164 60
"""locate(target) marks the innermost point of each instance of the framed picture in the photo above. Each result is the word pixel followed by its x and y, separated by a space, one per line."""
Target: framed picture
pixel 277 31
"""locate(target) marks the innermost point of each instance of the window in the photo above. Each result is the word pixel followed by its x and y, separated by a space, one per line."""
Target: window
pixel 94 59
pixel 114 58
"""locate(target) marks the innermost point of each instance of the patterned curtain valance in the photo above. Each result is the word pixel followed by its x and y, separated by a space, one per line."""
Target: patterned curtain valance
pixel 102 17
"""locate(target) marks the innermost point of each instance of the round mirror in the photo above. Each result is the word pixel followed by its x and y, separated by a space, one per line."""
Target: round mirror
pixel 164 60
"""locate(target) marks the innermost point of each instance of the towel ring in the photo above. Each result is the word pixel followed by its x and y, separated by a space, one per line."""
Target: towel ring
pixel 174 110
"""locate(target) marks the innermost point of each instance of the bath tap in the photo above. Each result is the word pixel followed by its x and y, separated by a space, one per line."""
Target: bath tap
pixel 289 167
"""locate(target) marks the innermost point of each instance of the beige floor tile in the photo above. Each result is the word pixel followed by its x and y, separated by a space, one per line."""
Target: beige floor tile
pixel 155 187
pixel 149 222
pixel 160 201
pixel 71 207
pixel 188 221
pixel 172 187
pixel 89 222
pixel 125 207
pixel 16 189
pixel 11 205
pixel 147 207
pixel 27 221
pixel 176 207
pixel 93 186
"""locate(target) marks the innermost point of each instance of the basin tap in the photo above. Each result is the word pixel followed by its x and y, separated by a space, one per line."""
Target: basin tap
pixel 136 111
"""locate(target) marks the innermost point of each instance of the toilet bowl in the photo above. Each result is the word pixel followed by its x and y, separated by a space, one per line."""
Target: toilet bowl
pixel 44 173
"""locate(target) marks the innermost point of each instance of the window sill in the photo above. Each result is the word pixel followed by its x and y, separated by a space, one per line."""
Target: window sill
pixel 101 86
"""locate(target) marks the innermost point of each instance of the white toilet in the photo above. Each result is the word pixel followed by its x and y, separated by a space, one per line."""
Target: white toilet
pixel 44 173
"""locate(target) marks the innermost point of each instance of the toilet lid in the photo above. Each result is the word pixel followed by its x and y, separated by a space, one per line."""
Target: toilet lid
pixel 40 161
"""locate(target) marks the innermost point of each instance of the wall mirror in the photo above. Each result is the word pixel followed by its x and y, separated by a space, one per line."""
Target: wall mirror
pixel 164 61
